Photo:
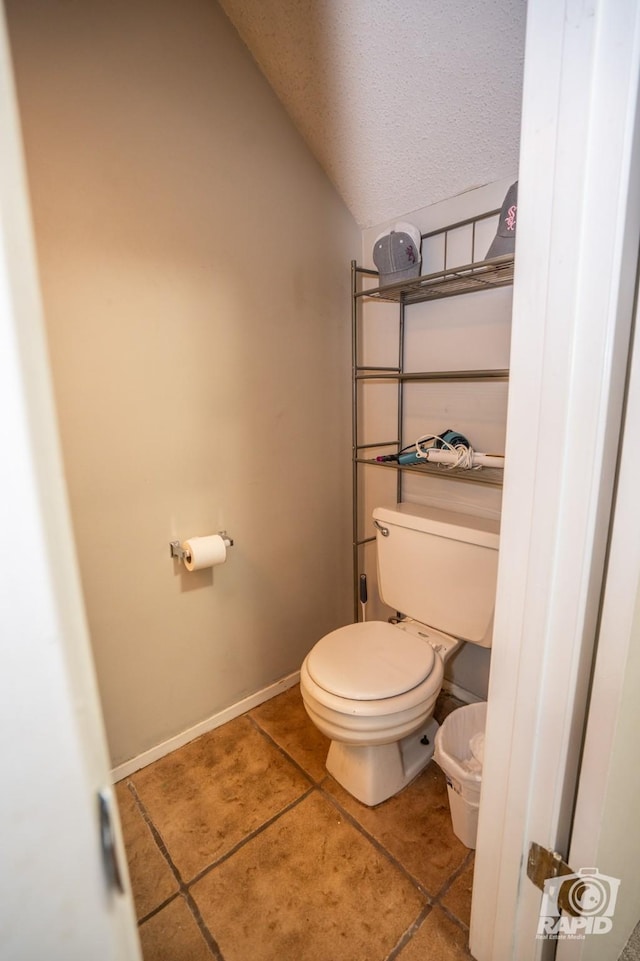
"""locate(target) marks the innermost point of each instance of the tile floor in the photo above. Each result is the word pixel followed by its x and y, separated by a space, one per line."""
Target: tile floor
pixel 242 848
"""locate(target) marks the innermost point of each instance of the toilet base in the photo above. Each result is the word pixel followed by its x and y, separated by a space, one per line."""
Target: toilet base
pixel 373 773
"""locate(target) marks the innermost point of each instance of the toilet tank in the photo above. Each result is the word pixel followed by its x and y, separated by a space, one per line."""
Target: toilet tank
pixel 439 567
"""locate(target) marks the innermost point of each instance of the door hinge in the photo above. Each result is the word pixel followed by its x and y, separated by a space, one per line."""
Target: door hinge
pixel 545 865
pixel 108 840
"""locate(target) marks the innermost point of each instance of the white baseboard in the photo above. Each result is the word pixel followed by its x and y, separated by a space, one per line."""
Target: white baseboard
pixel 247 704
pixel 209 724
pixel 461 693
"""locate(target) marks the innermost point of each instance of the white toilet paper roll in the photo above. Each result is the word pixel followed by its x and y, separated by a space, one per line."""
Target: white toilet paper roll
pixel 204 552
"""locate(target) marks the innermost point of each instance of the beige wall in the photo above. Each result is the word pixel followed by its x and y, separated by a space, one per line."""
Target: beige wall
pixel 194 263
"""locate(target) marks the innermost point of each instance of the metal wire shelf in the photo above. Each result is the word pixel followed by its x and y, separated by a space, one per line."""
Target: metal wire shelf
pixel 384 373
pixel 468 279
pixel 492 476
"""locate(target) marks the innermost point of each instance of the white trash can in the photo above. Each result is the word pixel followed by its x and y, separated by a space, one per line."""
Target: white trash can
pixel 459 749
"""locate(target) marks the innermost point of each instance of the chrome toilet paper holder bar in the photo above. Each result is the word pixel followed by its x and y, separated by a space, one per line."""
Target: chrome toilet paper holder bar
pixel 176 549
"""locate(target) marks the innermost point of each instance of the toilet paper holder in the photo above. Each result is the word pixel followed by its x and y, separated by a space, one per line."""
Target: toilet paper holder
pixel 177 551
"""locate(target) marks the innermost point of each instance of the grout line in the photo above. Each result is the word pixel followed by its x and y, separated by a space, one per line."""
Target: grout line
pixel 458 923
pixel 317 783
pixel 444 890
pixel 413 929
pixel 157 837
pixel 432 900
pixel 249 837
pixel 409 933
pixel 158 908
pixel 281 750
pixel 204 930
pixel 454 918
pixel 378 845
pixel 183 892
pixel 453 877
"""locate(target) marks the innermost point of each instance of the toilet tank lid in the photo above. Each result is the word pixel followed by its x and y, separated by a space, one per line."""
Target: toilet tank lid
pixel 484 531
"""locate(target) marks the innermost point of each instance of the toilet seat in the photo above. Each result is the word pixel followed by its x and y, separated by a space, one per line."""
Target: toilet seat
pixel 374 714
pixel 370 661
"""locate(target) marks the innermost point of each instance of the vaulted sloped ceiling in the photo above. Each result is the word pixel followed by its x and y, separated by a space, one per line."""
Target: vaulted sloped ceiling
pixel 403 102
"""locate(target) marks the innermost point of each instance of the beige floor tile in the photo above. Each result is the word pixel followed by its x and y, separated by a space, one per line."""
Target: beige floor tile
pixel 414 826
pixel 286 721
pixel 458 897
pixel 152 880
pixel 173 935
pixel 212 793
pixel 439 939
pixel 314 889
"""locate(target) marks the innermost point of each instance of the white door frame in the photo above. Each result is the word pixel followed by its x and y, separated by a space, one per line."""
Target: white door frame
pixel 605 831
pixel 576 257
pixel 57 901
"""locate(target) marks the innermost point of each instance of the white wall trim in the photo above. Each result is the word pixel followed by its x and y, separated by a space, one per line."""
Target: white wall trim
pixel 575 272
pixel 461 693
pixel 203 727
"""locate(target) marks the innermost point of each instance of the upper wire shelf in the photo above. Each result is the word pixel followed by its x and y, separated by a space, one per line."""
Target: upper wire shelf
pixel 486 275
pixel 450 281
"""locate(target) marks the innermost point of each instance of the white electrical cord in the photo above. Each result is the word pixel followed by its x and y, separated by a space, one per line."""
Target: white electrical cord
pixel 462 456
pixel 455 456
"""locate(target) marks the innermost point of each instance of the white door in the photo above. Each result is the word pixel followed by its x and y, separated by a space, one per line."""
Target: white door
pixel 576 258
pixel 57 888
pixel 605 834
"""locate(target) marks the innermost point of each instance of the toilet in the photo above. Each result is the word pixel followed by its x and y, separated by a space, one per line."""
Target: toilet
pixel 371 687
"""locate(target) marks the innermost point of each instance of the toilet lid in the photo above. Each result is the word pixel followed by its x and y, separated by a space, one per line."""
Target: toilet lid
pixel 370 661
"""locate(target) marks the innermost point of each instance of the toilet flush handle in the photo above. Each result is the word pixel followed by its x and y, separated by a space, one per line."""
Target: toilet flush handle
pixel 383 530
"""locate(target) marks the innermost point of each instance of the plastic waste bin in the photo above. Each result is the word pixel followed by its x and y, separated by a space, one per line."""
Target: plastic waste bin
pixel 459 751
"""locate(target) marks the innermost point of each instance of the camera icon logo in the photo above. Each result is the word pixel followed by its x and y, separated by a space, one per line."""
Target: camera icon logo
pixel 588 899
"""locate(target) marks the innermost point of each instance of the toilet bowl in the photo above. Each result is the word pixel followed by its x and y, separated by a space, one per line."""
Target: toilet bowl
pixel 371 687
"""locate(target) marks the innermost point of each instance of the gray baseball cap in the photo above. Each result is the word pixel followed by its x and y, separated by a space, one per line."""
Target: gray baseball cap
pixel 396 254
pixel 504 241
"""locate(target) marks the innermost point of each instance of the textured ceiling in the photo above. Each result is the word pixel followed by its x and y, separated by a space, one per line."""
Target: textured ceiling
pixel 403 102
